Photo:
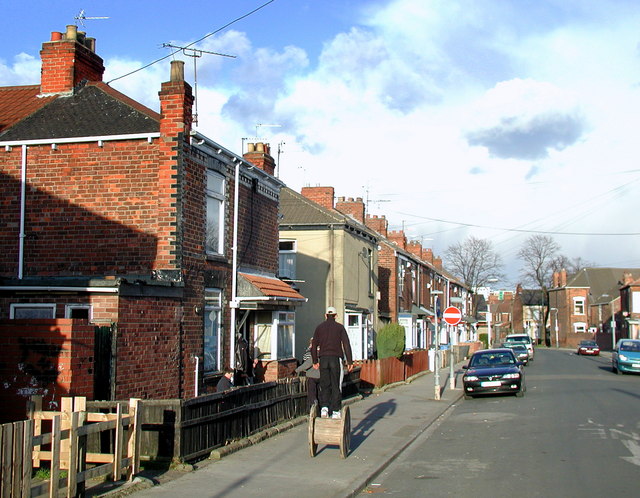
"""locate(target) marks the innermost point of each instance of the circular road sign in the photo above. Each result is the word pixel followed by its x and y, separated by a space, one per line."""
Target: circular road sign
pixel 452 315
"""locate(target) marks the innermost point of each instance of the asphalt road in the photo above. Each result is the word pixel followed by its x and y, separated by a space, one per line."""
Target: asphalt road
pixel 576 432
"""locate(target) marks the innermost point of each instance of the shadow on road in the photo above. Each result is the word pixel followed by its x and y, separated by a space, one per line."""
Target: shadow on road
pixel 365 427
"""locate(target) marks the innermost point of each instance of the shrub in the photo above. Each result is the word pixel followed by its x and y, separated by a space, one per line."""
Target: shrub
pixel 390 341
pixel 484 338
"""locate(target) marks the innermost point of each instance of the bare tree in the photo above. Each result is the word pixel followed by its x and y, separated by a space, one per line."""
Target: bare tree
pixel 572 265
pixel 538 254
pixel 474 261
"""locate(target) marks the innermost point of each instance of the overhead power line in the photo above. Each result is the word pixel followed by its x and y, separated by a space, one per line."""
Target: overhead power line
pixel 521 230
pixel 193 43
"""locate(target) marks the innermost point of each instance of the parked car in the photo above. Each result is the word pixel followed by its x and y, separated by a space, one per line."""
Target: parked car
pixel 520 350
pixel 626 356
pixel 492 371
pixel 522 338
pixel 588 347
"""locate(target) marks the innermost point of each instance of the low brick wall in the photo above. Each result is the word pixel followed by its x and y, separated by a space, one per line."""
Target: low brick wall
pixel 52 358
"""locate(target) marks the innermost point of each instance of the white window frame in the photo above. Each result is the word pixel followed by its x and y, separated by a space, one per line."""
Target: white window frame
pixel 579 327
pixel 288 270
pixel 283 319
pixel 219 197
pixel 14 306
pixel 68 309
pixel 212 304
pixel 578 302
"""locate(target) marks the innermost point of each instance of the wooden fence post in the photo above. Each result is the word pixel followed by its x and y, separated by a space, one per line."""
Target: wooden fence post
pixel 35 405
pixel 54 483
pixel 134 437
pixel 27 457
pixel 72 480
pixel 117 453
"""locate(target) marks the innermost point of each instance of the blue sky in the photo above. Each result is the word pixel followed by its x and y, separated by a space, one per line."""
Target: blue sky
pixel 493 118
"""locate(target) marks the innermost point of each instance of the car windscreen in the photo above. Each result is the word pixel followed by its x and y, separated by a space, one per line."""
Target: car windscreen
pixel 588 343
pixel 501 358
pixel 519 338
pixel 630 346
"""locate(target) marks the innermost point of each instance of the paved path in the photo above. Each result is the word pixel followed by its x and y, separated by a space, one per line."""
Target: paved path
pixel 382 424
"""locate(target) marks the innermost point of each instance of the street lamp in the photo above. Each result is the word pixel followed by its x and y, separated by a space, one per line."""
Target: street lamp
pixel 436 343
pixel 556 325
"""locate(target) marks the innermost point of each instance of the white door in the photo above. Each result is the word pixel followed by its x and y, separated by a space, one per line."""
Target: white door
pixel 355 331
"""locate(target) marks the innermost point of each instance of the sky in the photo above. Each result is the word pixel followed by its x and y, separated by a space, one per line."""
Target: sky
pixel 498 119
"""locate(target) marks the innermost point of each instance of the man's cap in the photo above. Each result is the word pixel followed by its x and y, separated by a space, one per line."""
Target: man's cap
pixel 331 311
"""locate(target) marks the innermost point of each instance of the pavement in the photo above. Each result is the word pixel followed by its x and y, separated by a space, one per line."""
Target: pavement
pixel 278 462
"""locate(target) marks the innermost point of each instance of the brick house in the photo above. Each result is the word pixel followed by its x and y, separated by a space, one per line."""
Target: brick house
pixel 415 289
pixel 630 306
pixel 588 305
pixel 331 256
pixel 529 306
pixel 131 221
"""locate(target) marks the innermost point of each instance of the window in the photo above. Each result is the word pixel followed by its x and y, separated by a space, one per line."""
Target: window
pixel 579 327
pixel 270 346
pixel 287 261
pixel 17 311
pixel 578 305
pixel 79 311
pixel 212 329
pixel 214 242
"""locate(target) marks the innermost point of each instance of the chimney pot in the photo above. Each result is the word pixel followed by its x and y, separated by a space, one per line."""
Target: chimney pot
pixel 251 147
pixel 72 32
pixel 56 36
pixel 177 71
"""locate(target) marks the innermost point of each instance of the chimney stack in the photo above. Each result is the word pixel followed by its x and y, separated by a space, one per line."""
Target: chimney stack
pixel 320 195
pixel 398 238
pixel 259 154
pixel 352 207
pixel 415 248
pixel 176 103
pixel 379 224
pixel 68 60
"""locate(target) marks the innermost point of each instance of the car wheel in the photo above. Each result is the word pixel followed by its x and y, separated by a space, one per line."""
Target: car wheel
pixel 614 369
pixel 520 393
pixel 467 396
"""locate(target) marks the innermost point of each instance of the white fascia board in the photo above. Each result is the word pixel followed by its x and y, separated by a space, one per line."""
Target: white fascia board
pixel 70 140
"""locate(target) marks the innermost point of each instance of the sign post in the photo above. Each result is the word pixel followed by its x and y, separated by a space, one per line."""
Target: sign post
pixel 453 316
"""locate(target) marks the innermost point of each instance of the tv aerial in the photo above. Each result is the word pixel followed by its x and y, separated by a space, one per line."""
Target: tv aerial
pixel 81 18
pixel 195 54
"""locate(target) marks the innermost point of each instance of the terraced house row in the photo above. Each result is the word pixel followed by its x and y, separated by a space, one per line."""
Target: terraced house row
pixel 138 257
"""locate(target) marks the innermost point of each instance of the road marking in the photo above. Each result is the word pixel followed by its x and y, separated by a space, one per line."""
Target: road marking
pixel 634 449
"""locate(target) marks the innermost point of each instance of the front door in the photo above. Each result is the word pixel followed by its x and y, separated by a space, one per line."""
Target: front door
pixel 355 331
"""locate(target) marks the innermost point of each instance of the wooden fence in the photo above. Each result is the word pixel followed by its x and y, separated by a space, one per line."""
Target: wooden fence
pixel 24 445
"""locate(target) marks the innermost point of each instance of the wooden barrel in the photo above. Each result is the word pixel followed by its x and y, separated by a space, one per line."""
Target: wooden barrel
pixel 330 431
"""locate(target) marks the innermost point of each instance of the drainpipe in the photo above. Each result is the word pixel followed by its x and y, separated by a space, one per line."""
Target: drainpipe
pixel 23 204
pixel 234 266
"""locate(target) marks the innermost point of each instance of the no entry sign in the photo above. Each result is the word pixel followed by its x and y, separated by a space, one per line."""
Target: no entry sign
pixel 452 315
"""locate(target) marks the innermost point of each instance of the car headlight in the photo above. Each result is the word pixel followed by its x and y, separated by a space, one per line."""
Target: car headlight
pixel 511 376
pixel 622 357
pixel 470 378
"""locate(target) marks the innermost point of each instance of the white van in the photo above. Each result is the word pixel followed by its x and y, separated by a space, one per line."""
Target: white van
pixel 524 338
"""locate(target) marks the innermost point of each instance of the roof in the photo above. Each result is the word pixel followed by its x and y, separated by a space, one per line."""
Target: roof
pixel 18 102
pixel 261 286
pixel 94 110
pixel 533 297
pixel 298 211
pixel 603 283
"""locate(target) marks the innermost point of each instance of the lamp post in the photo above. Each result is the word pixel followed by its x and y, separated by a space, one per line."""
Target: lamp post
pixel 613 325
pixel 436 343
pixel 556 325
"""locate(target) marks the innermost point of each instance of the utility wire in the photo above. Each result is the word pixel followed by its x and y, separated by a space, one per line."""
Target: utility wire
pixel 193 43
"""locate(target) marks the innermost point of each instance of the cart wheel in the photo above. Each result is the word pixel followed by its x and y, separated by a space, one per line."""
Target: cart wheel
pixel 345 440
pixel 313 446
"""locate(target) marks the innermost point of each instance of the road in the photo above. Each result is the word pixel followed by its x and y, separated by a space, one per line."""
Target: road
pixel 575 433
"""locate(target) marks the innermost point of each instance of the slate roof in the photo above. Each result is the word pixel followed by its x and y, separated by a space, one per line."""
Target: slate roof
pixel 604 283
pixel 18 102
pixel 533 297
pixel 94 110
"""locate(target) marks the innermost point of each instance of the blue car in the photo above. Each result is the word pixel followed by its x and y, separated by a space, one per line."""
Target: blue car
pixel 493 371
pixel 626 356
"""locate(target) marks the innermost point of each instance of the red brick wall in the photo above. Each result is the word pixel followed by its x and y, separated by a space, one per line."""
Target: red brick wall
pixel 320 195
pixel 149 348
pixel 379 224
pixel 53 358
pixel 102 199
pixel 351 207
pixel 387 278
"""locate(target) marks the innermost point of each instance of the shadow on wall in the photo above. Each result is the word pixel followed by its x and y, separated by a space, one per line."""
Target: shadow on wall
pixel 52 358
